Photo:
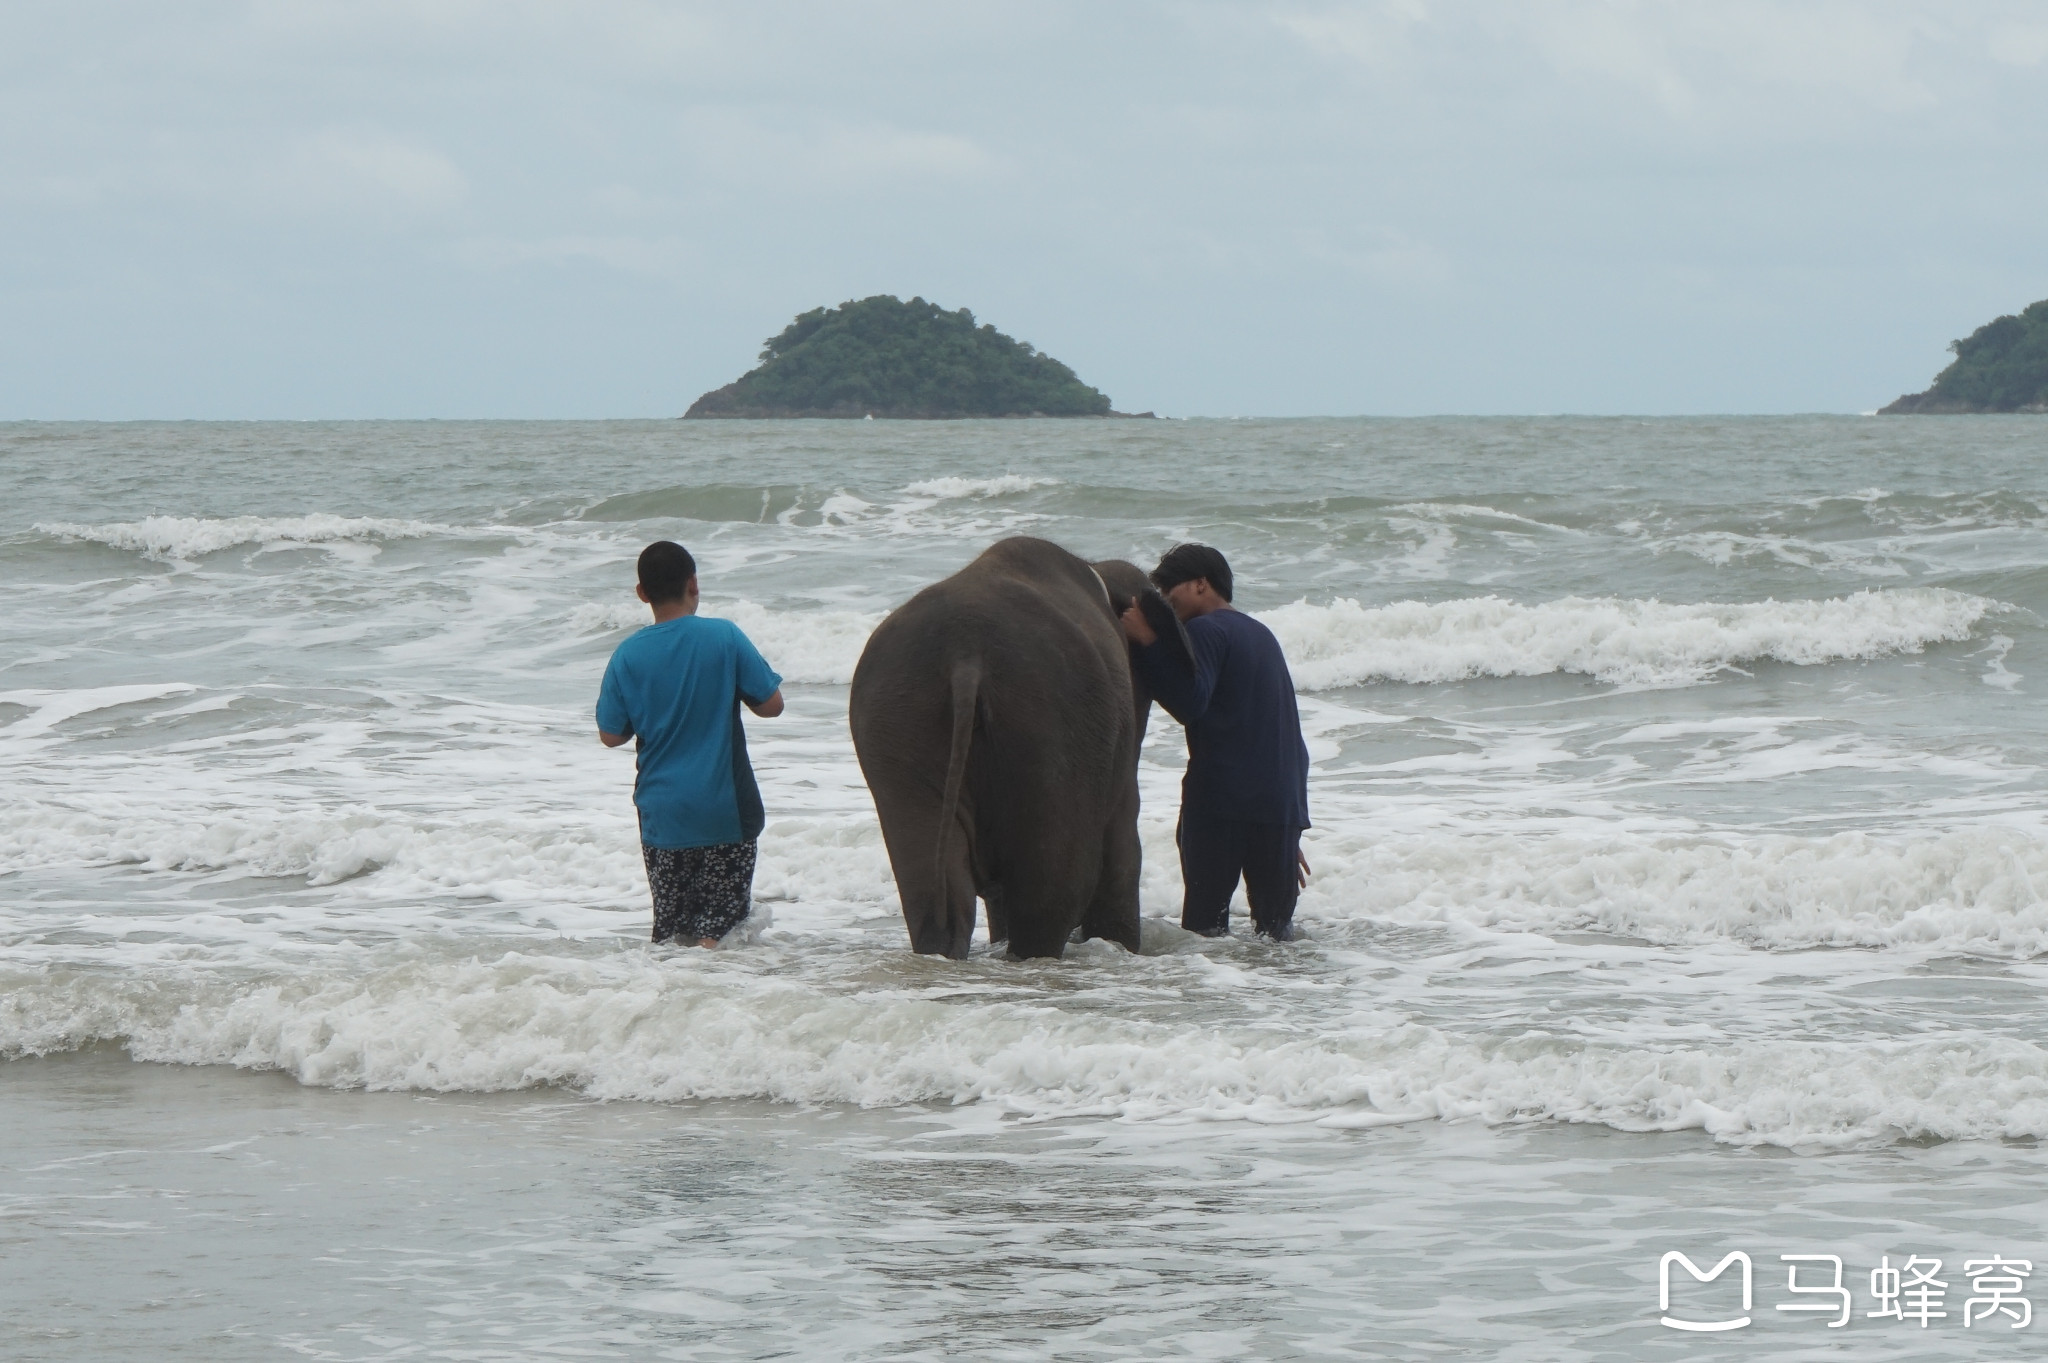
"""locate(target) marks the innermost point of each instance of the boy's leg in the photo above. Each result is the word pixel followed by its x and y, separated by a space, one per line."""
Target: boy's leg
pixel 1211 859
pixel 1270 883
pixel 668 885
pixel 720 891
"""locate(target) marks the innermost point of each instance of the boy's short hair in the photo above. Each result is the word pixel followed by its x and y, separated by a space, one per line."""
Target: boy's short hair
pixel 1186 562
pixel 665 571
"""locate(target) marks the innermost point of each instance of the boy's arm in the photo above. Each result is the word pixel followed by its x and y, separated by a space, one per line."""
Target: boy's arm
pixel 756 678
pixel 614 722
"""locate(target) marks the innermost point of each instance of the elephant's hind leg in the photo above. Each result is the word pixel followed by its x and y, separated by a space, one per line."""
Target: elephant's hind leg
pixel 938 897
pixel 1112 913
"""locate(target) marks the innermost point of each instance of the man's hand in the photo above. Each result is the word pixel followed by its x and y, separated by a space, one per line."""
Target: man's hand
pixel 767 709
pixel 1300 869
pixel 1137 628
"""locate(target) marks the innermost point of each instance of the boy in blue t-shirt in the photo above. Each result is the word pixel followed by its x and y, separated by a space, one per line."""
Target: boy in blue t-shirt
pixel 677 687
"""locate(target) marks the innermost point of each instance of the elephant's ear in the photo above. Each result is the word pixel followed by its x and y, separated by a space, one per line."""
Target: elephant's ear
pixel 1168 627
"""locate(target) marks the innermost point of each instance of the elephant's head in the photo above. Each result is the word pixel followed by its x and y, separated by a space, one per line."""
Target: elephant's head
pixel 1126 584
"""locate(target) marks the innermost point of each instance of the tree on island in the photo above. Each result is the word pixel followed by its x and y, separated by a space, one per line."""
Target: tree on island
pixel 884 357
pixel 2002 366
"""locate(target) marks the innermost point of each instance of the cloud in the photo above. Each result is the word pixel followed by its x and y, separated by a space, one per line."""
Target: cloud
pixel 1729 63
pixel 2019 44
pixel 1376 33
pixel 882 150
pixel 371 172
pixel 666 258
pixel 1459 204
pixel 1378 255
pixel 1738 58
pixel 741 146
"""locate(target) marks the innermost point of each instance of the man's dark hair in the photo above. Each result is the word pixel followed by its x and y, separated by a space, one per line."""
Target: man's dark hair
pixel 1186 562
pixel 665 571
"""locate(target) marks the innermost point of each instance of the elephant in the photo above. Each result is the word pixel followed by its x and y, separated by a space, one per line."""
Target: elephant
pixel 997 719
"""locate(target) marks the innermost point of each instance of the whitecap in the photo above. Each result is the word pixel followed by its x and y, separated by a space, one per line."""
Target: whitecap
pixel 1004 485
pixel 656 1026
pixel 187 537
pixel 1620 640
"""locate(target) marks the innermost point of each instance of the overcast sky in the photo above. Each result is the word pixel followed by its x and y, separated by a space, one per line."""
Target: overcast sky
pixel 588 209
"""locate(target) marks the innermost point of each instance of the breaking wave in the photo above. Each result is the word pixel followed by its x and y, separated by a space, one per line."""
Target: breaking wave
pixel 638 1025
pixel 1004 485
pixel 1614 639
pixel 174 538
pixel 1972 890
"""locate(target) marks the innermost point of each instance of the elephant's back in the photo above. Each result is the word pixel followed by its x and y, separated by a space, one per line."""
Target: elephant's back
pixel 1030 615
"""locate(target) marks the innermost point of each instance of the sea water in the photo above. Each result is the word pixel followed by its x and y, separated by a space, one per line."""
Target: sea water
pixel 1679 859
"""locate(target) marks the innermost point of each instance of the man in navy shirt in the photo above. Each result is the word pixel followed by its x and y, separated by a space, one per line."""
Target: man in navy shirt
pixel 1244 800
pixel 677 687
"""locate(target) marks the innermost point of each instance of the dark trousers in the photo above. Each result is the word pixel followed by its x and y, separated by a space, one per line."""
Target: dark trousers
pixel 1216 853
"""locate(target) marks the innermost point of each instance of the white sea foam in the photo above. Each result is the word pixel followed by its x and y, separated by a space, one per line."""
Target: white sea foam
pixel 1004 485
pixel 1969 890
pixel 819 646
pixel 487 857
pixel 638 1026
pixel 1615 639
pixel 1723 547
pixel 607 617
pixel 815 646
pixel 48 709
pixel 529 858
pixel 188 537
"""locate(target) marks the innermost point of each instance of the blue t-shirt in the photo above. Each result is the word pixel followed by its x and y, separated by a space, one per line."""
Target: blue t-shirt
pixel 1246 758
pixel 677 687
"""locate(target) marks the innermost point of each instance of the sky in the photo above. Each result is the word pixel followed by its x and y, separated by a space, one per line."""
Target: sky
pixel 519 208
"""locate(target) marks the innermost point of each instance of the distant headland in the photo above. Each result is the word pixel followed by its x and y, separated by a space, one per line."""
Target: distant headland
pixel 2002 366
pixel 883 357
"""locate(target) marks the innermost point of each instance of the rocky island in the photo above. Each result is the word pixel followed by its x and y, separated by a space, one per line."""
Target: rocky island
pixel 883 357
pixel 2002 366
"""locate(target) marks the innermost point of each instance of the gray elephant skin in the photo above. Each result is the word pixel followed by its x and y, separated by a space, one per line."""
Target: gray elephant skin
pixel 997 720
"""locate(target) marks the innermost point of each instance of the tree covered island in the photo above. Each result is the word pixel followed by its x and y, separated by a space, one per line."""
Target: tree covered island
pixel 2002 366
pixel 884 357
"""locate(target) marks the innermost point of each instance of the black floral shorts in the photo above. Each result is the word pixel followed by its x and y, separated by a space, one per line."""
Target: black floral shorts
pixel 699 891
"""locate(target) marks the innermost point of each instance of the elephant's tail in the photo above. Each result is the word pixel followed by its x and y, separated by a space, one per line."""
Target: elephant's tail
pixel 966 693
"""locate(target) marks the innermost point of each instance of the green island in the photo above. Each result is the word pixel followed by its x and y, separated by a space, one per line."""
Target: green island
pixel 883 357
pixel 2002 366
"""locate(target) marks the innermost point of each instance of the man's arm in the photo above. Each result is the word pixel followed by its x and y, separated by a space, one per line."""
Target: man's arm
pixel 766 709
pixel 612 740
pixel 1183 694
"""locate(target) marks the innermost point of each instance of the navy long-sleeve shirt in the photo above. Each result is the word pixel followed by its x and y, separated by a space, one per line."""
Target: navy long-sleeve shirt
pixel 1246 758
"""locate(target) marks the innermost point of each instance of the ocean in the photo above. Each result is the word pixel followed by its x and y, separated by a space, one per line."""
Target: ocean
pixel 1679 848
